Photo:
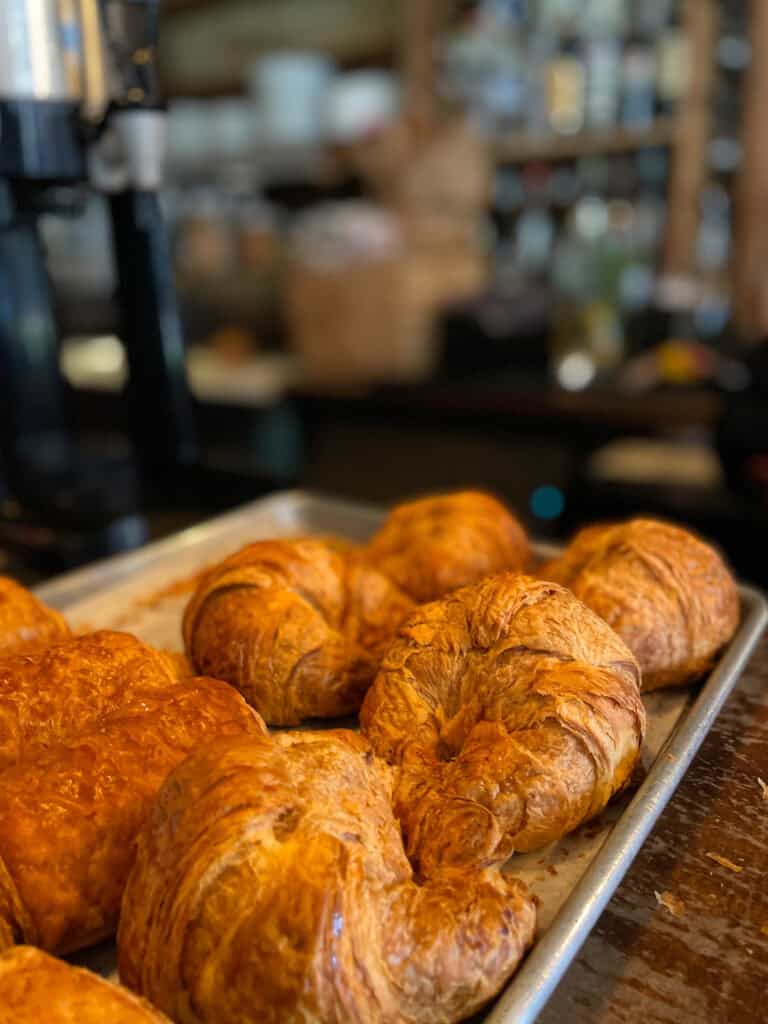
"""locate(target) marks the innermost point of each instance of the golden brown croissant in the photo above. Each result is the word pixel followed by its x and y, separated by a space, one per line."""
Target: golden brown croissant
pixel 665 592
pixel 514 713
pixel 298 626
pixel 270 885
pixel 434 545
pixel 88 731
pixel 25 622
pixel 39 989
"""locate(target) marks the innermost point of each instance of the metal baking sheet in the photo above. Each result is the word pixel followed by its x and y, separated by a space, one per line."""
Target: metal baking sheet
pixel 145 592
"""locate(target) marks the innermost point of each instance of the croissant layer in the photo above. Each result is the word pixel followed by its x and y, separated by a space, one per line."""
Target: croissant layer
pixel 271 885
pixel 434 545
pixel 25 622
pixel 513 713
pixel 37 988
pixel 89 729
pixel 298 626
pixel 668 594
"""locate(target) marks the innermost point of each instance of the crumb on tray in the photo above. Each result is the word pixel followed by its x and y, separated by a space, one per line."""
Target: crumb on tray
pixel 177 588
pixel 670 902
pixel 724 862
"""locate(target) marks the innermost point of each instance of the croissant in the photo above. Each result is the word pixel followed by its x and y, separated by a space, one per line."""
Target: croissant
pixel 271 885
pixel 434 545
pixel 37 988
pixel 298 626
pixel 89 729
pixel 665 592
pixel 25 622
pixel 514 714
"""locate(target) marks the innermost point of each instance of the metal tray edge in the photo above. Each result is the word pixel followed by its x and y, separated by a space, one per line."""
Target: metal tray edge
pixel 531 987
pixel 70 587
pixel 553 953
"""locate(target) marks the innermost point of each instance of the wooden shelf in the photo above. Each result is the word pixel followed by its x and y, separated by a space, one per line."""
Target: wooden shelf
pixel 524 149
pixel 175 6
pixel 207 46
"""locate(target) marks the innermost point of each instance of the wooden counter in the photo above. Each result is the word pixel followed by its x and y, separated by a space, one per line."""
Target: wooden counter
pixel 644 964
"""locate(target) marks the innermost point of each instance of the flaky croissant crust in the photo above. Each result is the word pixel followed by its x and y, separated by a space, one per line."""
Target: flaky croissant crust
pixel 434 545
pixel 271 884
pixel 39 989
pixel 89 728
pixel 298 626
pixel 25 622
pixel 667 593
pixel 514 714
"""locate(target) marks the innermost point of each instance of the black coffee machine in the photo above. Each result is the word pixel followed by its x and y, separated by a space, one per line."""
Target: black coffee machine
pixel 79 108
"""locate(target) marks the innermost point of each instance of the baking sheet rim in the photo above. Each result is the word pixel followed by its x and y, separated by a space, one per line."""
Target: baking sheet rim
pixel 527 993
pixel 529 989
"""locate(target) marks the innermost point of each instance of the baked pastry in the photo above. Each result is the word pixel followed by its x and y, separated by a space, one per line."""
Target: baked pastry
pixel 89 729
pixel 665 592
pixel 514 713
pixel 37 988
pixel 25 622
pixel 271 885
pixel 298 626
pixel 434 545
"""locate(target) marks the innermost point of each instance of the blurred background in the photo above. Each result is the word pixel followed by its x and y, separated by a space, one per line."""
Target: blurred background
pixel 515 244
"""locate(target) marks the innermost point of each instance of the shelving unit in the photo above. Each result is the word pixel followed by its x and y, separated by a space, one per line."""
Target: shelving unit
pixel 683 134
pixel 521 149
pixel 751 255
pixel 686 136
pixel 207 45
pixel 688 173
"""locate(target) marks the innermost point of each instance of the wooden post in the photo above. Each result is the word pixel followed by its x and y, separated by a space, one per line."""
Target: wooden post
pixel 689 153
pixel 750 277
pixel 423 21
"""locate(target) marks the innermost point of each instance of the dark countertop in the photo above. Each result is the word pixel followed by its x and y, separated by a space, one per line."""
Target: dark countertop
pixel 642 963
pixel 530 401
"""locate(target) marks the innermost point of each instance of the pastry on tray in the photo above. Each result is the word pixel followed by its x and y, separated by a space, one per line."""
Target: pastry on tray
pixel 271 885
pixel 514 713
pixel 298 626
pixel 25 622
pixel 668 594
pixel 89 729
pixel 36 988
pixel 434 545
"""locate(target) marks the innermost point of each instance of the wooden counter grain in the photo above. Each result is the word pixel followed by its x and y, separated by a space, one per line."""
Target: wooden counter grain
pixel 644 964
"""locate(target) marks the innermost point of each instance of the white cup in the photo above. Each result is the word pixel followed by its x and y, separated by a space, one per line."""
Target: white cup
pixel 360 102
pixel 290 90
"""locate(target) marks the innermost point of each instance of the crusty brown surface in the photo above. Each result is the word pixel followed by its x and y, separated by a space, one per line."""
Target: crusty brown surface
pixel 89 729
pixel 298 626
pixel 514 713
pixel 665 592
pixel 271 885
pixel 434 545
pixel 39 989
pixel 25 622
